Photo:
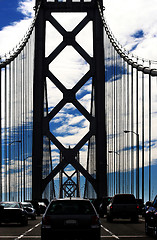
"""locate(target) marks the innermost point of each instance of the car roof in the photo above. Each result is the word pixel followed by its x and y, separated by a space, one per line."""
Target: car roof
pixel 70 199
pixel 9 202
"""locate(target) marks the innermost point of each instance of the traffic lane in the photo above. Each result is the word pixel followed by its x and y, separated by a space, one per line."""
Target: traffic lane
pixel 118 229
pixel 123 229
pixel 16 231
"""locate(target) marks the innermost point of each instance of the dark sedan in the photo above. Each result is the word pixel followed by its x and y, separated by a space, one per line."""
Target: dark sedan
pixel 151 219
pixel 28 207
pixel 70 219
pixel 13 212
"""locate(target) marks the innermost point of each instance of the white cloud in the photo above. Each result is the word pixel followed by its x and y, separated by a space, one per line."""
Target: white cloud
pixel 11 36
pixel 76 120
pixel 26 7
pixel 126 17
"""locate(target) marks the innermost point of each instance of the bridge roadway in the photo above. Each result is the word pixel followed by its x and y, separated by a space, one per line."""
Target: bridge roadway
pixel 119 229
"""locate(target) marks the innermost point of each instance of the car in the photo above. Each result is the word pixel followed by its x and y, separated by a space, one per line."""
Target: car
pixel 42 207
pixel 28 207
pixel 123 206
pixel 103 206
pixel 141 205
pixel 70 218
pixel 13 212
pixel 145 207
pixel 151 219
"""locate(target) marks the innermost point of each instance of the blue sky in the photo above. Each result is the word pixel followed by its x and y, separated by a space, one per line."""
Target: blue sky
pixel 9 12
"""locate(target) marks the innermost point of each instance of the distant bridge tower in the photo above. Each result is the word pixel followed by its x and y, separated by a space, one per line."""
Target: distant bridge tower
pixel 70 187
pixel 96 72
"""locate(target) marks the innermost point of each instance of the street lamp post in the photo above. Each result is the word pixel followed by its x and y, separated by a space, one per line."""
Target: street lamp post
pixel 137 163
pixel 114 170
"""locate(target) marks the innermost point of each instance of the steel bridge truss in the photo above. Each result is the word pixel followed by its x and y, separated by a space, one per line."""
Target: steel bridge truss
pixel 97 121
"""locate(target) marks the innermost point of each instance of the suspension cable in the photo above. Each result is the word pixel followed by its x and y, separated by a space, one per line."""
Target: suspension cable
pixel 122 52
pixel 7 58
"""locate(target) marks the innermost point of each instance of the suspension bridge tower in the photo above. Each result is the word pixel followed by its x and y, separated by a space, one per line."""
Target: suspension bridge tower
pixel 96 72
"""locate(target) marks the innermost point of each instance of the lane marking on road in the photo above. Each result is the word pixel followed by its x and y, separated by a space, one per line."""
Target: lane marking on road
pixel 132 236
pixel 14 237
pixel 140 236
pixel 29 230
pixel 113 235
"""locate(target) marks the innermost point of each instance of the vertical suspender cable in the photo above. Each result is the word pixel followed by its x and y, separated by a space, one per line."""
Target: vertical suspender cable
pixel 9 130
pixel 137 143
pixel 0 134
pixel 114 122
pixel 28 118
pixel 27 155
pixel 13 130
pixel 132 142
pixel 143 136
pixel 23 122
pixel 17 124
pixel 112 114
pixel 16 130
pixel 128 152
pixel 5 135
pixel 125 125
pixel 120 121
pixel 150 93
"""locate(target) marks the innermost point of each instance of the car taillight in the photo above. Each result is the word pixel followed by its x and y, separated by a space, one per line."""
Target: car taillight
pixel 46 220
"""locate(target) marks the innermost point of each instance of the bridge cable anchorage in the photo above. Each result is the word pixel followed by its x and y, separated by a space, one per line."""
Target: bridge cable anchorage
pixel 122 51
pixel 11 55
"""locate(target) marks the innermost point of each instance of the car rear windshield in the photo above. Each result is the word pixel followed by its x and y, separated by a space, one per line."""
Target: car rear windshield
pixel 10 205
pixel 70 207
pixel 124 199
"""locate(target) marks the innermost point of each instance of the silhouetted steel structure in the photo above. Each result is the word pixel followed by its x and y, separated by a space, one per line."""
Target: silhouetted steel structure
pixel 96 72
pixel 70 187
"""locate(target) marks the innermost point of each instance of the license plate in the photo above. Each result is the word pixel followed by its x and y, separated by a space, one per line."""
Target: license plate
pixel 70 221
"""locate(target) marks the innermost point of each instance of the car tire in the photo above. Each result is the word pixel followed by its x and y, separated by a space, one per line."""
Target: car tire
pixel 147 231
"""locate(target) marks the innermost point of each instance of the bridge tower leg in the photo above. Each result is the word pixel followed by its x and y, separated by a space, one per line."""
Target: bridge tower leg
pixel 99 84
pixel 96 72
pixel 38 108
